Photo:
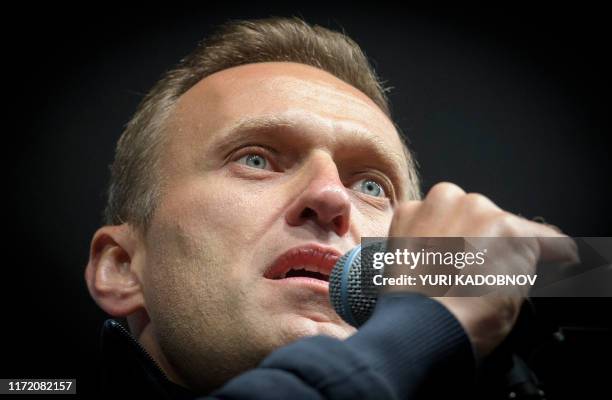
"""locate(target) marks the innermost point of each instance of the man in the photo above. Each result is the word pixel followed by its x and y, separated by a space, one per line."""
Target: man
pixel 243 176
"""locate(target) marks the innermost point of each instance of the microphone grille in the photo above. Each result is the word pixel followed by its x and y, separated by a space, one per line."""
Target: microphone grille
pixel 351 289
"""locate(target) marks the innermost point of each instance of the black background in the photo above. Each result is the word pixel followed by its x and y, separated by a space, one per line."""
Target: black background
pixel 512 103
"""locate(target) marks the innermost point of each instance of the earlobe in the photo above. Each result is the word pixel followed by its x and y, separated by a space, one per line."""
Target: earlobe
pixel 111 272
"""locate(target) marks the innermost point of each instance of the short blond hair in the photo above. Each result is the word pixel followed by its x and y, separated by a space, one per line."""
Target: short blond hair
pixel 135 179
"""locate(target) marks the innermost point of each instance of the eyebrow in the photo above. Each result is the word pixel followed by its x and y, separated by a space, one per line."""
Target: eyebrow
pixel 251 128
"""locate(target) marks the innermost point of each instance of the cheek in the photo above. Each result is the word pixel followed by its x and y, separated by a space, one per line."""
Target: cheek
pixel 189 284
pixel 228 211
pixel 372 223
pixel 208 236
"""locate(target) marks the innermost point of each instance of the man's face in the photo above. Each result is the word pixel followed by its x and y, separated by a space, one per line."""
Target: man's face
pixel 269 168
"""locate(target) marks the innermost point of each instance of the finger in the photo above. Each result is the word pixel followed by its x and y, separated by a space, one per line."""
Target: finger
pixel 403 217
pixel 438 209
pixel 542 221
pixel 442 194
pixel 561 249
pixel 554 245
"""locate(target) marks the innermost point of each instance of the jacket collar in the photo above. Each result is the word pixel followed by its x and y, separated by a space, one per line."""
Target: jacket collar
pixel 129 369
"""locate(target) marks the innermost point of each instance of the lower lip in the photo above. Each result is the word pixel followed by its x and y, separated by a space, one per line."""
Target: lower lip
pixel 316 284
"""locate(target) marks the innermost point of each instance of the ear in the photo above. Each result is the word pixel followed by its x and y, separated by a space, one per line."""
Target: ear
pixel 112 272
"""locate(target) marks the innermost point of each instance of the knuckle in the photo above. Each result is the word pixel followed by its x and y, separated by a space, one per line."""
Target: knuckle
pixel 444 190
pixel 479 202
pixel 507 224
pixel 476 200
pixel 553 228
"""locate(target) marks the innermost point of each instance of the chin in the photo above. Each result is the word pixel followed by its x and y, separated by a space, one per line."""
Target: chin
pixel 301 327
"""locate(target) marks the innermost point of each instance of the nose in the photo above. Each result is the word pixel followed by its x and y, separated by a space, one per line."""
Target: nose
pixel 323 199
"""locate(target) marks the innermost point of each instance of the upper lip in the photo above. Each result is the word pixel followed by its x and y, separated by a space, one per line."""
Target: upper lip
pixel 321 259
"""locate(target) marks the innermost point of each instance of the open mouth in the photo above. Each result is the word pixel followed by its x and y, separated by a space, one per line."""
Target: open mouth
pixel 311 261
pixel 304 272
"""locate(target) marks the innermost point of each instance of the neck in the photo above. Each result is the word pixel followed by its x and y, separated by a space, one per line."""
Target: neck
pixel 142 330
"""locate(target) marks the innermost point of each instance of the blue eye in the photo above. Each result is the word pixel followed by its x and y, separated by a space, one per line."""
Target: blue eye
pixel 370 187
pixel 254 161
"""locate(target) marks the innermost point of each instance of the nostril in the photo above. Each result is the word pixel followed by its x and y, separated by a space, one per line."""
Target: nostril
pixel 307 213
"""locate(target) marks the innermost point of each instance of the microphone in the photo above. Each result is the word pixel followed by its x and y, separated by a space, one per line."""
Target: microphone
pixel 351 291
pixel 353 296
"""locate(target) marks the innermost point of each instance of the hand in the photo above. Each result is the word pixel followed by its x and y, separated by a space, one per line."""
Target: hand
pixel 447 211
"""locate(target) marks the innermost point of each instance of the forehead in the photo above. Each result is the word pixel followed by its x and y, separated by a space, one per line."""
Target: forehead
pixel 332 111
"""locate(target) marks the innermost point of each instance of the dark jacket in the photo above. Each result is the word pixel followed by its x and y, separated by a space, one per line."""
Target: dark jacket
pixel 412 347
